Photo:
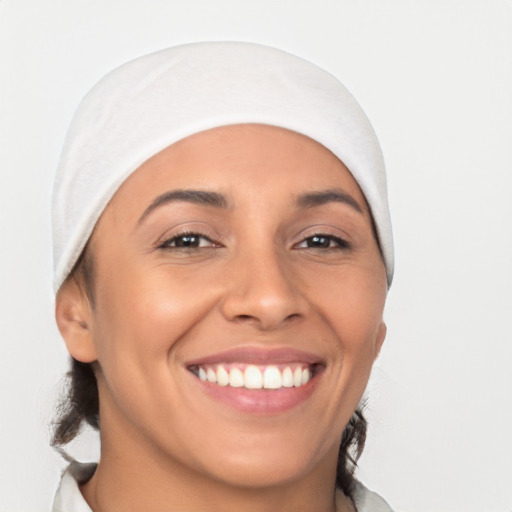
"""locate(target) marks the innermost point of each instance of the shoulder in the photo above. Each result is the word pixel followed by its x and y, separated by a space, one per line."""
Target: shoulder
pixel 368 501
pixel 68 497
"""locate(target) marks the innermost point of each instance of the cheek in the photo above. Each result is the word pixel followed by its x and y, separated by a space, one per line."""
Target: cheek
pixel 353 309
pixel 353 302
pixel 142 317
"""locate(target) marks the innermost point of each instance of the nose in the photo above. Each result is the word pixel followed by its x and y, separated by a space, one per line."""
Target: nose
pixel 263 291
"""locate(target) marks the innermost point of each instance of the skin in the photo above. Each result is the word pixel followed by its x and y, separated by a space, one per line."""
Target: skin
pixel 258 279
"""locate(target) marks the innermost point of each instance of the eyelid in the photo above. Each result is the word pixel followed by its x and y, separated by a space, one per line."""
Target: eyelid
pixel 324 230
pixel 191 227
pixel 166 241
pixel 341 243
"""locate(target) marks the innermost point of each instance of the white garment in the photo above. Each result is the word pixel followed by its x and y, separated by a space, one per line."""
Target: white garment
pixel 70 499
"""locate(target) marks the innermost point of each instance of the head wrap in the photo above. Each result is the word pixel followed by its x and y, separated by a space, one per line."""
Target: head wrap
pixel 147 104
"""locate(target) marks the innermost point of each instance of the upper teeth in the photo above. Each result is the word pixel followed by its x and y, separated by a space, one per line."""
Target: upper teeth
pixel 255 377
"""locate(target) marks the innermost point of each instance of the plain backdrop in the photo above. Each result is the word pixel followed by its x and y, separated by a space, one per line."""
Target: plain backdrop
pixel 435 77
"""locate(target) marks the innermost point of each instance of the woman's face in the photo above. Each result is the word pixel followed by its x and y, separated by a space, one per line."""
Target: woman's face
pixel 244 254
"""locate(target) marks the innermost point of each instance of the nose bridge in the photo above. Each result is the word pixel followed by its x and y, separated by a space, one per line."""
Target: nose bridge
pixel 262 288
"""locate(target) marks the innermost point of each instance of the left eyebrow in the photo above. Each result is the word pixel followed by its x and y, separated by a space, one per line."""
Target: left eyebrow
pixel 312 199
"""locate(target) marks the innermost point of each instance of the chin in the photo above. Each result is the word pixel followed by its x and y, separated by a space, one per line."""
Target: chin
pixel 263 473
pixel 267 466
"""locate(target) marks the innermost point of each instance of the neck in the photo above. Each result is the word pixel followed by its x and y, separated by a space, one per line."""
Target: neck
pixel 134 477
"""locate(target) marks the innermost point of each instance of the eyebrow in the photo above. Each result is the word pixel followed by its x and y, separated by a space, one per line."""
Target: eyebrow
pixel 200 197
pixel 312 199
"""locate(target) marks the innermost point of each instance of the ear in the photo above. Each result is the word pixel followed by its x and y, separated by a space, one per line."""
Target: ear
pixel 379 340
pixel 74 316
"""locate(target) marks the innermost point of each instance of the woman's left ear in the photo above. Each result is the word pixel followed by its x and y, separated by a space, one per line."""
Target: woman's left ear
pixel 379 340
pixel 74 316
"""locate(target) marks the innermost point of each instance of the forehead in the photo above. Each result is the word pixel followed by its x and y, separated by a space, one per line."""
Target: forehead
pixel 239 158
pixel 262 173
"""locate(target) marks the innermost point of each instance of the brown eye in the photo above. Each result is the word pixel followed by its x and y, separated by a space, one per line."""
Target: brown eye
pixel 187 241
pixel 323 242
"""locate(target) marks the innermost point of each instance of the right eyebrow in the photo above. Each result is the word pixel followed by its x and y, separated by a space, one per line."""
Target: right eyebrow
pixel 201 197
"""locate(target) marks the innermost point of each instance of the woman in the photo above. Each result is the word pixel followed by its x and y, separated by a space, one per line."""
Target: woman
pixel 223 252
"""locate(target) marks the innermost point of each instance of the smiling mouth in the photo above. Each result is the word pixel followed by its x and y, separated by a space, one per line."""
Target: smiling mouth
pixel 256 377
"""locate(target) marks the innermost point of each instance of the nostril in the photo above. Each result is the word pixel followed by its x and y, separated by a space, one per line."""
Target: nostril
pixel 244 317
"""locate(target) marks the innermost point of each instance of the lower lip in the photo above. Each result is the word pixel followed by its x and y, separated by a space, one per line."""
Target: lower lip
pixel 260 401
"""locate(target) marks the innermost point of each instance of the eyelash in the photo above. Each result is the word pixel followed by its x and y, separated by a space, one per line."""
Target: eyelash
pixel 187 234
pixel 340 243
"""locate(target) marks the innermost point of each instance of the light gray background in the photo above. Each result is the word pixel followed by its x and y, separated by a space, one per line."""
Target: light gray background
pixel 435 77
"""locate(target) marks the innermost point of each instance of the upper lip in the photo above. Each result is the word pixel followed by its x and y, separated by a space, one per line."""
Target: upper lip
pixel 258 356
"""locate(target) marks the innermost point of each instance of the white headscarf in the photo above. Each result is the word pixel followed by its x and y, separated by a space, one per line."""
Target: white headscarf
pixel 144 106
